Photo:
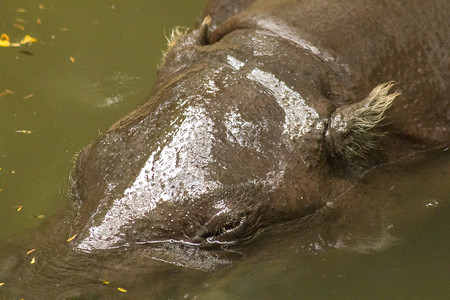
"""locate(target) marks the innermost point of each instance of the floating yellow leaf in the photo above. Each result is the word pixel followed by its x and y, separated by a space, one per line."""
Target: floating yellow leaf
pixel 24 131
pixel 71 238
pixel 72 59
pixel 28 40
pixel 33 260
pixel 19 207
pixel 28 96
pixel 121 290
pixel 4 40
pixel 104 281
pixel 30 251
pixel 2 283
pixel 21 10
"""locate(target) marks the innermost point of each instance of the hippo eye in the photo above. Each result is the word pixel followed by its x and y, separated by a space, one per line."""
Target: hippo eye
pixel 229 228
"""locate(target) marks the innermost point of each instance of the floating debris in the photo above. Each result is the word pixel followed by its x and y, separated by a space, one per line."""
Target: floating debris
pixel 33 260
pixel 28 40
pixel 71 238
pixel 39 21
pixel 432 203
pixel 21 10
pixel 18 207
pixel 20 20
pixel 24 131
pixel 28 96
pixel 41 6
pixel 4 40
pixel 19 26
pixel 39 216
pixel 30 251
pixel 121 290
pixel 72 59
pixel 6 92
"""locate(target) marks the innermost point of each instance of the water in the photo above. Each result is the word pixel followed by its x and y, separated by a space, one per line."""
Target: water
pixel 115 45
pixel 94 62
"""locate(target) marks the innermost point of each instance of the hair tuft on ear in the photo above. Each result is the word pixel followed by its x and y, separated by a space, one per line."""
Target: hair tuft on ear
pixel 353 130
pixel 180 38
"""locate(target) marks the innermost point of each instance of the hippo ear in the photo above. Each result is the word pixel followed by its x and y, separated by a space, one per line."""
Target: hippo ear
pixel 353 130
pixel 180 38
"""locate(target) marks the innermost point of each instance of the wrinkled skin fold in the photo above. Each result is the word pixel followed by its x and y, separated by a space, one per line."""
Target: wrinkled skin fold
pixel 267 113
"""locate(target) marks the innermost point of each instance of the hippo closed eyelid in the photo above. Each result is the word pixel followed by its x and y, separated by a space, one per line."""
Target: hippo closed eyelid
pixel 221 229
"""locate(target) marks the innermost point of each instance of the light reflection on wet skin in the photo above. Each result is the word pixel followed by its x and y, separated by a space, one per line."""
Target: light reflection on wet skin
pixel 154 182
pixel 178 167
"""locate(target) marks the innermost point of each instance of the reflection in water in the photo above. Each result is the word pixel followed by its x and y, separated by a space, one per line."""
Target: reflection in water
pixel 116 88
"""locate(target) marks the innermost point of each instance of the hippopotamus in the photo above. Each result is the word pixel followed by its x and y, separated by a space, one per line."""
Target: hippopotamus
pixel 267 112
pixel 257 116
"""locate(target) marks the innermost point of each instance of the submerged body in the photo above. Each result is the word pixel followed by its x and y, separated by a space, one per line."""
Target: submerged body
pixel 265 114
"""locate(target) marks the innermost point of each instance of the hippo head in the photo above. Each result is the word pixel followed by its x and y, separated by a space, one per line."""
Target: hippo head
pixel 233 140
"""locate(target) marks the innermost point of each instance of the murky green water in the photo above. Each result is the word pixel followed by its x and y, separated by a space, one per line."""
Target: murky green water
pixel 94 62
pixel 115 46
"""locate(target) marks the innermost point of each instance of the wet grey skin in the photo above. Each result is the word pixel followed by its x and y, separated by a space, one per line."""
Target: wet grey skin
pixel 263 114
